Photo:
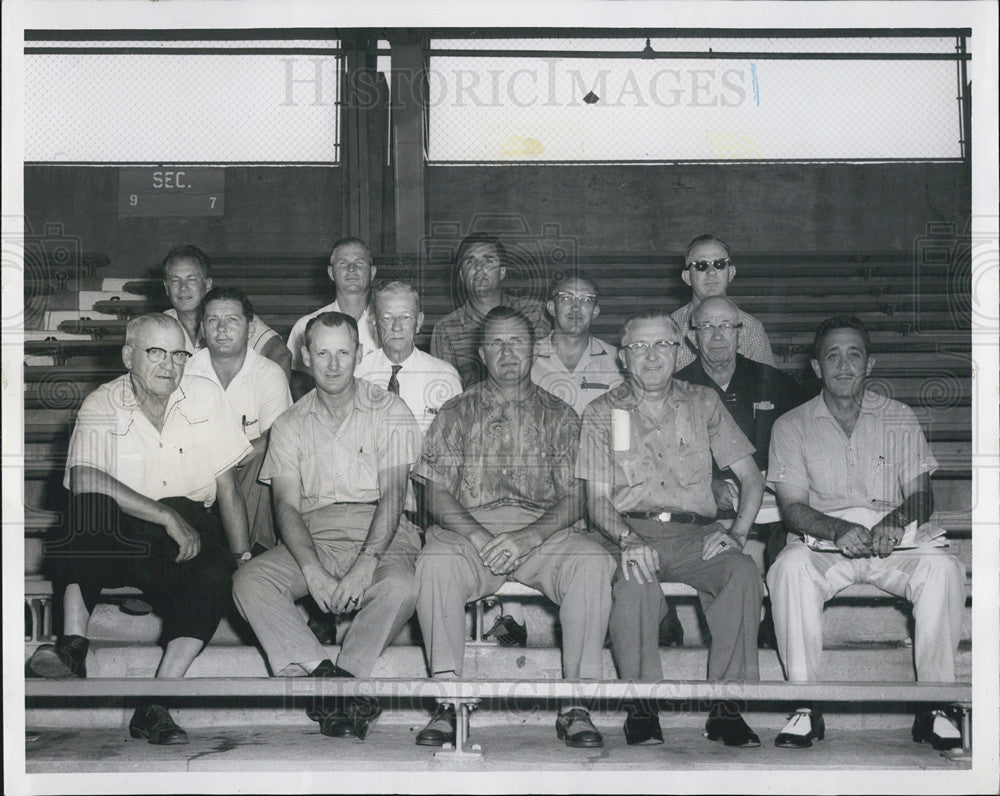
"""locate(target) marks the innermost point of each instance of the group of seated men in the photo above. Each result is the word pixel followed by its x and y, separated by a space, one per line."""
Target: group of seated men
pixel 542 454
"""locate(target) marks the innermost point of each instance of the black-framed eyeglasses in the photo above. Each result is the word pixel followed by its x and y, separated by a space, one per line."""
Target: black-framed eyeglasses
pixel 725 327
pixel 156 355
pixel 659 346
pixel 702 265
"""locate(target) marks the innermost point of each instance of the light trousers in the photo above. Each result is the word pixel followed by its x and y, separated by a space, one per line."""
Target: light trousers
pixel 569 568
pixel 801 580
pixel 266 588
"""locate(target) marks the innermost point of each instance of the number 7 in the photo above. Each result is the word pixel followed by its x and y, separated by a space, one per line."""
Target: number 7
pixel 212 200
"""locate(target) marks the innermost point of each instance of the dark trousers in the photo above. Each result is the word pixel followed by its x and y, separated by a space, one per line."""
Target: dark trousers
pixel 729 588
pixel 106 548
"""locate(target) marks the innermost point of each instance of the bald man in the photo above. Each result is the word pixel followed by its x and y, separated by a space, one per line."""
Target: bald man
pixel 154 504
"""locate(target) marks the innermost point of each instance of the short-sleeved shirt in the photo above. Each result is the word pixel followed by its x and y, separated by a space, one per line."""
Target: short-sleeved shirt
pixel 257 394
pixel 340 465
pixel 663 462
pixel 367 334
pixel 200 440
pixel 258 336
pixel 425 382
pixel 886 450
pixel 454 336
pixel 488 451
pixel 753 339
pixel 756 396
pixel 595 373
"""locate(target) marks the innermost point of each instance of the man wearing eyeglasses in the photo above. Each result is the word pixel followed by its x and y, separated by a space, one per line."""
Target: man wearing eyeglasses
pixel 256 390
pixel 646 451
pixel 756 395
pixel 424 382
pixel 154 504
pixel 708 269
pixel 351 270
pixel 570 362
pixel 482 267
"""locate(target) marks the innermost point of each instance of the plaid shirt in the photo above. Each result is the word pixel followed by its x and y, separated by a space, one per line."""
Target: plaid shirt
pixel 753 339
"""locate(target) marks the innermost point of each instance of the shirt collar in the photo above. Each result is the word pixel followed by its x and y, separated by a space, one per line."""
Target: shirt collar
pixel 624 397
pixel 472 315
pixel 492 391
pixel 870 403
pixel 544 348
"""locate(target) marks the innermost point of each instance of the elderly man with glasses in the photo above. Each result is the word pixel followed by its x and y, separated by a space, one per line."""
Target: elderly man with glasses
pixel 708 269
pixel 646 451
pixel 570 362
pixel 155 505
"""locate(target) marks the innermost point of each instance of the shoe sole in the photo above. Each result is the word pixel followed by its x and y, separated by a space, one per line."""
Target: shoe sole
pixel 142 735
pixel 747 745
pixel 792 745
pixel 585 744
pixel 432 742
pixel 941 746
pixel 49 667
pixel 645 742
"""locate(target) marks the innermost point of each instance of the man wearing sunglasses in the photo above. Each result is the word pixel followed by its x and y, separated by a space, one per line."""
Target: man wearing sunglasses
pixel 155 505
pixel 570 362
pixel 646 451
pixel 708 269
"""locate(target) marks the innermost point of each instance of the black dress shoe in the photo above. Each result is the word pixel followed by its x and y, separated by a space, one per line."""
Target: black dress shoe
pixel 727 725
pixel 153 723
pixel 440 729
pixel 66 658
pixel 331 712
pixel 671 630
pixel 803 726
pixel 363 712
pixel 766 638
pixel 642 726
pixel 938 728
pixel 508 633
pixel 576 729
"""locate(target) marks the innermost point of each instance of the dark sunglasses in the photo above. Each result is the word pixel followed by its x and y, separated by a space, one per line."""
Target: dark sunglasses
pixel 702 265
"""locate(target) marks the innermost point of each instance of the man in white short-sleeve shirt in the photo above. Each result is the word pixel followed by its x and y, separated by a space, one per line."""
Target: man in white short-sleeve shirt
pixel 422 381
pixel 256 390
pixel 154 504
pixel 851 469
pixel 352 273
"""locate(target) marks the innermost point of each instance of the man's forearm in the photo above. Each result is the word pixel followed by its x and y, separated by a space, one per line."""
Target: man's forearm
pixel 451 515
pixel 608 521
pixel 562 514
pixel 800 518
pixel 385 521
pixel 233 511
pixel 296 537
pixel 917 508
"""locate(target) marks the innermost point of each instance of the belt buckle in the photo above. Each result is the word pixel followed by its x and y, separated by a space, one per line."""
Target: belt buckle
pixel 664 516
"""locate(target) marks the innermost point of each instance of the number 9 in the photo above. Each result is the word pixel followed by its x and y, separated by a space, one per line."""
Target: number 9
pixel 133 200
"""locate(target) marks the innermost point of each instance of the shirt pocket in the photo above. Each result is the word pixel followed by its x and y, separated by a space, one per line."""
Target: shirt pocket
pixel 693 466
pixel 629 469
pixel 362 475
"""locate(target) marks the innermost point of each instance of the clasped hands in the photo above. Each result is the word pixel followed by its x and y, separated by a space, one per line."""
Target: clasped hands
pixel 857 541
pixel 343 595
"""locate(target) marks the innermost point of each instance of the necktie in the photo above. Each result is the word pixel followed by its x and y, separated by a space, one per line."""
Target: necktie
pixel 393 381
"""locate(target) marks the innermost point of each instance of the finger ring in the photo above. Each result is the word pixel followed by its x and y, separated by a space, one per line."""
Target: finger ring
pixel 507 553
pixel 723 544
pixel 632 562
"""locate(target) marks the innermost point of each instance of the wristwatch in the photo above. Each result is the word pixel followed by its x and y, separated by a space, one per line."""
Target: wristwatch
pixel 623 537
pixel 368 551
pixel 242 558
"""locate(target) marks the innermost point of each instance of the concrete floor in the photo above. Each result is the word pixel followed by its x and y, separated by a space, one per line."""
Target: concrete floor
pixel 390 747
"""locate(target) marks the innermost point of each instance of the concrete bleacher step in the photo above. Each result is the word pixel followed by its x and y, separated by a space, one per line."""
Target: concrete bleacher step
pixel 860 662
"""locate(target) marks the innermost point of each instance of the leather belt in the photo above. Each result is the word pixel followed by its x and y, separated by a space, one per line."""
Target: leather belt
pixel 686 517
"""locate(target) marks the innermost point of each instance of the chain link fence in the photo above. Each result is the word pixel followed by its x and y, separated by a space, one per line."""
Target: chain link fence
pixel 232 102
pixel 634 100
